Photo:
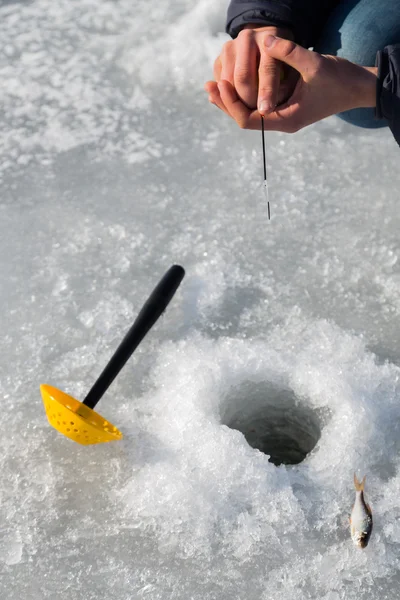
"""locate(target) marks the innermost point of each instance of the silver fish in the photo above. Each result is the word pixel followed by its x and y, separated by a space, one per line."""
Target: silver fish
pixel 361 517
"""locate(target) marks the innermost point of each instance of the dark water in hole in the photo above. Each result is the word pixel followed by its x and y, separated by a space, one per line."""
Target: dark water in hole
pixel 274 421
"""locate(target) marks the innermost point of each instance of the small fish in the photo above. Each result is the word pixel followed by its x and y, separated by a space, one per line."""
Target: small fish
pixel 361 517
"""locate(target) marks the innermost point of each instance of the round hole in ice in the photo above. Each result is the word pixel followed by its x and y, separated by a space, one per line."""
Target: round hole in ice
pixel 273 420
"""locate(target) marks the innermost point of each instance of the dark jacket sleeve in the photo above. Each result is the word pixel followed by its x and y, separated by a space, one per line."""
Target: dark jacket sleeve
pixel 305 18
pixel 388 88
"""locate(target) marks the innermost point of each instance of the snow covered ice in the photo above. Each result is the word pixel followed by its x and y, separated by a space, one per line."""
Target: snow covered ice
pixel 113 166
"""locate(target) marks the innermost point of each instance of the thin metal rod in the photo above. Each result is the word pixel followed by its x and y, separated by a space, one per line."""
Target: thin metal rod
pixel 263 148
pixel 265 167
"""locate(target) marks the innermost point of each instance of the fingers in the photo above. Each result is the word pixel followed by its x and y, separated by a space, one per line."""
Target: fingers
pixel 269 74
pixel 245 72
pixel 304 61
pixel 214 96
pixel 209 86
pixel 217 69
pixel 287 85
pixel 244 117
pixel 228 57
pixel 283 119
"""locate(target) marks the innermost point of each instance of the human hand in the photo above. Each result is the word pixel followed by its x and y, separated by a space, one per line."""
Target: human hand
pixel 327 85
pixel 259 79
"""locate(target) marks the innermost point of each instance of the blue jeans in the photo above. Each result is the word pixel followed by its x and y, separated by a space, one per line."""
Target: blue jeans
pixel 356 30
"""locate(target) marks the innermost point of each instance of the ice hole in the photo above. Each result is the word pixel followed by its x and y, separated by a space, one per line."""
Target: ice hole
pixel 273 420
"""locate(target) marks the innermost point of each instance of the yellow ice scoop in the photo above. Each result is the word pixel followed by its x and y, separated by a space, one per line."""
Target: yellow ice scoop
pixel 77 420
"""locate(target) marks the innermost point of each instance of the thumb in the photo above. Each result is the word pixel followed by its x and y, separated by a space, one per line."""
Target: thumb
pixel 290 53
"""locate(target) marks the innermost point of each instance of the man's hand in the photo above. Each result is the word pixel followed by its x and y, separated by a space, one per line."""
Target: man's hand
pixel 327 85
pixel 259 79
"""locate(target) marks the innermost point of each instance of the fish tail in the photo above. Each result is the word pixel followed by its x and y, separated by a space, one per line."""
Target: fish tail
pixel 359 485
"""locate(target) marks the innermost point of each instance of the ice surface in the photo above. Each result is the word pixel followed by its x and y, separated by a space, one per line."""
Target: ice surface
pixel 113 167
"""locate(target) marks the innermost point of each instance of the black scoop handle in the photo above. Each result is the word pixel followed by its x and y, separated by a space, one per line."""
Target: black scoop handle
pixel 151 311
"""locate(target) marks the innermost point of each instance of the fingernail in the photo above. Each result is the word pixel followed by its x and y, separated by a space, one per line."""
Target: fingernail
pixel 270 41
pixel 265 106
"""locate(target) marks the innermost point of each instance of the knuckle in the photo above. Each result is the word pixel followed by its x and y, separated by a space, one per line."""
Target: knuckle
pixel 246 34
pixel 287 48
pixel 266 90
pixel 227 48
pixel 242 75
pixel 268 71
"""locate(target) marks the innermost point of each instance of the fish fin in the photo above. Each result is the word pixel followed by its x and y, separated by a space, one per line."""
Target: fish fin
pixel 368 509
pixel 359 485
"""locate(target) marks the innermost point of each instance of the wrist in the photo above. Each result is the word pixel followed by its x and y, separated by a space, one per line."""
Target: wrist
pixel 366 88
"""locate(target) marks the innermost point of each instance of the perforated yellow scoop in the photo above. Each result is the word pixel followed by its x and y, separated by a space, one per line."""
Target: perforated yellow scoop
pixel 77 420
